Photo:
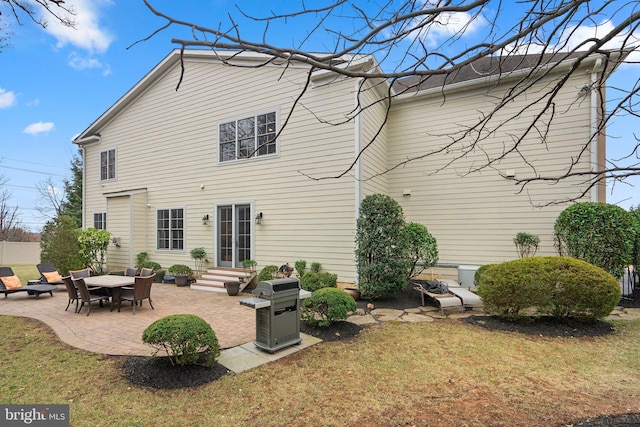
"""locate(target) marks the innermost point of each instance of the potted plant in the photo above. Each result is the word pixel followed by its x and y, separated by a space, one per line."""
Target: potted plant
pixel 198 255
pixel 182 274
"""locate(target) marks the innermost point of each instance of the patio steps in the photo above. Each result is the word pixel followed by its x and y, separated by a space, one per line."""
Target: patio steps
pixel 213 279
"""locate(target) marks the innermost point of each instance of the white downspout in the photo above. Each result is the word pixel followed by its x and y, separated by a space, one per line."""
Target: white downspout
pixel 84 185
pixel 595 134
pixel 358 147
pixel 357 170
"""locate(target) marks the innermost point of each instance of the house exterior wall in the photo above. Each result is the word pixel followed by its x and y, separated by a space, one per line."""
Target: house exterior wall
pixel 475 214
pixel 373 139
pixel 166 142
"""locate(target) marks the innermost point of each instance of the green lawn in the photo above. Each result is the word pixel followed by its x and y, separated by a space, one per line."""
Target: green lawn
pixel 445 373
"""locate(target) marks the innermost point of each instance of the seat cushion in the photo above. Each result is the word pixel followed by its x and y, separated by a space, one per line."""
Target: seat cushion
pixel 53 276
pixel 11 282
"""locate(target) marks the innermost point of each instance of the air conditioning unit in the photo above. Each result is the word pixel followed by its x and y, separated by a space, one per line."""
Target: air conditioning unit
pixel 466 275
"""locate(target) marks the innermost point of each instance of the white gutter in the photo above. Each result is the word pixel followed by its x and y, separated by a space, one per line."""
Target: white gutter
pixel 595 134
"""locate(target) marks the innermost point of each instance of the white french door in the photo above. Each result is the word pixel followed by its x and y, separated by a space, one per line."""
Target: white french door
pixel 233 234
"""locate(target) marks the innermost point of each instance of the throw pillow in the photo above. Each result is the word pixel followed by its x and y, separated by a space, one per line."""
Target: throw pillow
pixel 11 282
pixel 52 277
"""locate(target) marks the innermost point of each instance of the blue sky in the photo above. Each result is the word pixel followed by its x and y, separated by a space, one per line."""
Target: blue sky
pixel 55 82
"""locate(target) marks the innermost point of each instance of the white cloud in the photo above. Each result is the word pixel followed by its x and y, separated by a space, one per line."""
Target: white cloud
pixel 7 99
pixel 574 38
pixel 80 63
pixel 446 25
pixel 87 34
pixel 40 127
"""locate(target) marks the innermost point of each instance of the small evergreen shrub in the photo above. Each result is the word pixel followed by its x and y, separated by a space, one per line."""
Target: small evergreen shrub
pixel 562 287
pixel 315 267
pixel 526 244
pixel 185 337
pixel 422 248
pixel 150 264
pixel 326 306
pixel 313 281
pixel 180 269
pixel 267 273
pixel 301 267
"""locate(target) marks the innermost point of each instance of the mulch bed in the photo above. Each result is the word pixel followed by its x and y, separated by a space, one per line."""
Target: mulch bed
pixel 158 372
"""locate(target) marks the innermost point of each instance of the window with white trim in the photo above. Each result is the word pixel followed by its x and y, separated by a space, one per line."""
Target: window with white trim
pixel 107 165
pixel 170 229
pixel 248 137
pixel 100 220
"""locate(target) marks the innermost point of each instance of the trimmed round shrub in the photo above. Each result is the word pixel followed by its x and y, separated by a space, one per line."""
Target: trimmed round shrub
pixel 562 287
pixel 185 338
pixel 326 306
pixel 313 281
pixel 598 233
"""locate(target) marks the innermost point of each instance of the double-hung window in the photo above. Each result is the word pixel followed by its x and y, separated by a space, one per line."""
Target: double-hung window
pixel 100 220
pixel 170 226
pixel 248 137
pixel 107 165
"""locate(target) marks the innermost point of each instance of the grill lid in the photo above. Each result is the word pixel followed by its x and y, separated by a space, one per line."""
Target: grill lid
pixel 268 288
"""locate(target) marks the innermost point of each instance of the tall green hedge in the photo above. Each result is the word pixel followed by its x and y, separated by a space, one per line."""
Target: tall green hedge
pixel 381 250
pixel 598 233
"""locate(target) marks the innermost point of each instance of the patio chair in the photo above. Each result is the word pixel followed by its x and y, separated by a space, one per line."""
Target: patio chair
pixel 86 272
pixel 49 274
pixel 72 292
pixel 130 271
pixel 10 283
pixel 437 293
pixel 87 296
pixel 80 274
pixel 468 298
pixel 141 291
pixel 146 271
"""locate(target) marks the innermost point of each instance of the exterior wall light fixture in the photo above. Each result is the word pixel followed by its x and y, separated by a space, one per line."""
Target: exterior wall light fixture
pixel 205 219
pixel 259 218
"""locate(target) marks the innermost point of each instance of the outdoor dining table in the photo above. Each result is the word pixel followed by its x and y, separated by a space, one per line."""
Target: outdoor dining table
pixel 111 281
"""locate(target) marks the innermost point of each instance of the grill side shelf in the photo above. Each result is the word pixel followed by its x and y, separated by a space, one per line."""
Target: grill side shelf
pixel 255 302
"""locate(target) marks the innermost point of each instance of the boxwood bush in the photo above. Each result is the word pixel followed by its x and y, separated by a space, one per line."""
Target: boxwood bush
pixel 312 281
pixel 326 306
pixel 185 337
pixel 562 287
pixel 267 273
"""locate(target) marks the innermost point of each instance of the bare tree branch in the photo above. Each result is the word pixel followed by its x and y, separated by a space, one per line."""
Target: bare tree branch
pixel 422 46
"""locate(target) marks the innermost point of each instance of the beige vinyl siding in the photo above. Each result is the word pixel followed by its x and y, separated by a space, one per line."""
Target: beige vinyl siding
pixel 476 214
pixel 374 157
pixel 167 143
pixel 119 225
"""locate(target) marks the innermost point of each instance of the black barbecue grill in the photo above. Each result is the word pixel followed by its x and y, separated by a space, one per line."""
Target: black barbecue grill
pixel 277 305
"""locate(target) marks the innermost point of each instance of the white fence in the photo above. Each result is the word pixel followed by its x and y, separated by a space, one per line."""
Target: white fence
pixel 14 253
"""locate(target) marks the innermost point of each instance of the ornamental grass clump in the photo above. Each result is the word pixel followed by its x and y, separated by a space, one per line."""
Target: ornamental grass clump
pixel 326 306
pixel 187 339
pixel 560 287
